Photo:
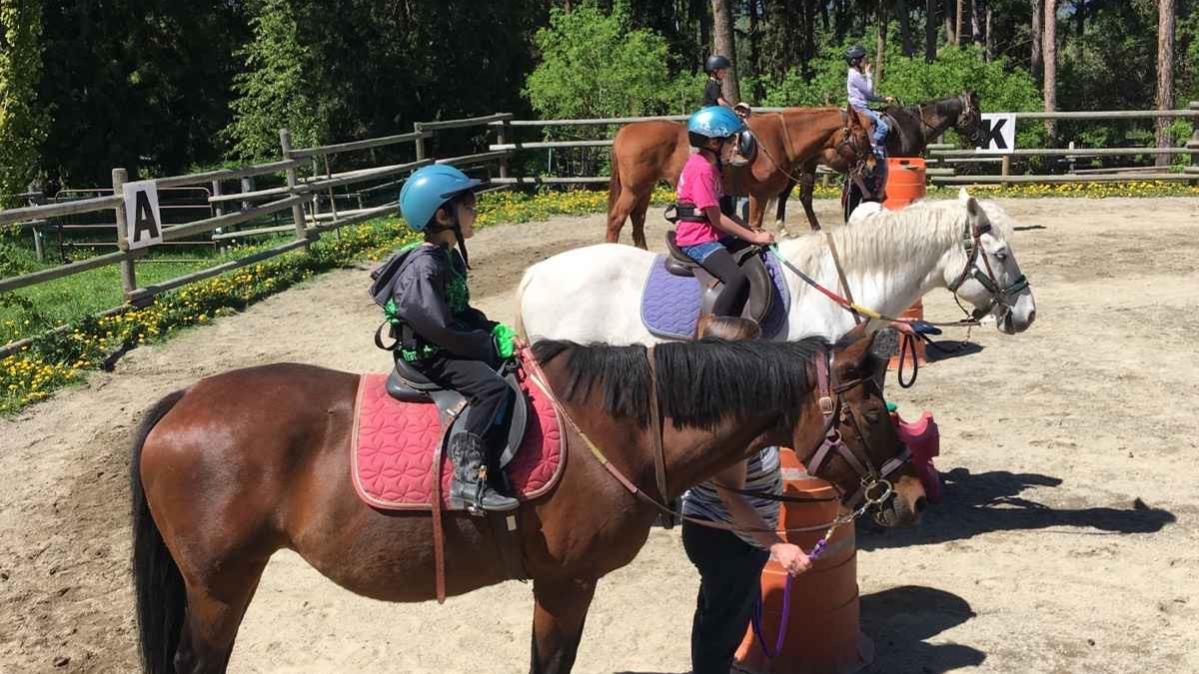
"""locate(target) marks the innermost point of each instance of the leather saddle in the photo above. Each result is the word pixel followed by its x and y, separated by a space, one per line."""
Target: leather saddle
pixel 751 261
pixel 408 385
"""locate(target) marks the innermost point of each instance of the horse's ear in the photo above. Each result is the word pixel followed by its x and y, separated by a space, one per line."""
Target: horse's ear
pixel 963 195
pixel 855 352
pixel 851 116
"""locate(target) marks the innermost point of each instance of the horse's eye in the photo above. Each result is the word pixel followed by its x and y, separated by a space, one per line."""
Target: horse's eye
pixel 1001 255
pixel 873 416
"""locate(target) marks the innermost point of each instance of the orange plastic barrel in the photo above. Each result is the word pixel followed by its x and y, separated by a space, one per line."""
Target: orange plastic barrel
pixel 905 184
pixel 823 635
pixel 905 181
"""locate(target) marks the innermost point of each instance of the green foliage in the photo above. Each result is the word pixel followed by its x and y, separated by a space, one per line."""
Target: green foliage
pixel 593 65
pixel 22 120
pixel 138 84
pixel 273 90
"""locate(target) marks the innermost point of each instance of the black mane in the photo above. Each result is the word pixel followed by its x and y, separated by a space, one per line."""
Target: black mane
pixel 699 384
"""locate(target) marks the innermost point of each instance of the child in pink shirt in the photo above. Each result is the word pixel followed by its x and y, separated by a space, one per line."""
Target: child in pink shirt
pixel 706 233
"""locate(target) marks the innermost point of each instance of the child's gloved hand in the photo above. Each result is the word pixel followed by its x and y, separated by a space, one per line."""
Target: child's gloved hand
pixel 505 340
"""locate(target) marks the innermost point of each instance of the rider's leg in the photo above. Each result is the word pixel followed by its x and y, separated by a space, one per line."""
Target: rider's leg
pixel 476 450
pixel 878 138
pixel 720 263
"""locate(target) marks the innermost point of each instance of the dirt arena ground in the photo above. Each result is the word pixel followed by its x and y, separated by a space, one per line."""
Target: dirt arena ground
pixel 1068 533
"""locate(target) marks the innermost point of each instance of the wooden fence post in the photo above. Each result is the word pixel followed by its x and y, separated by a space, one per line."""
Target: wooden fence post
pixel 501 136
pixel 1005 169
pixel 128 274
pixel 297 211
pixel 420 142
pixel 247 185
pixel 1193 143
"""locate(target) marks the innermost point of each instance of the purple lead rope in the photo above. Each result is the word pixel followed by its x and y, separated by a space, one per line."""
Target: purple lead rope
pixel 821 545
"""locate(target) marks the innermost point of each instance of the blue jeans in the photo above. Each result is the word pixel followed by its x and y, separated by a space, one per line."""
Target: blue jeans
pixel 700 251
pixel 879 138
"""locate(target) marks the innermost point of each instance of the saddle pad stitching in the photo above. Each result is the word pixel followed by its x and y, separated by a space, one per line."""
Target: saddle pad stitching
pixel 384 504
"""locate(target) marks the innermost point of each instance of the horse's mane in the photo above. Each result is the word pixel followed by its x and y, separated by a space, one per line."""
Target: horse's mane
pixel 700 384
pixel 923 227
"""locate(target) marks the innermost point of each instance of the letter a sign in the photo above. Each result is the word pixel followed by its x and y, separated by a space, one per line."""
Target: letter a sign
pixel 143 222
pixel 1000 128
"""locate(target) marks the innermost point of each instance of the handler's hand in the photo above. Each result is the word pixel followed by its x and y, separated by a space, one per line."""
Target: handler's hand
pixel 790 557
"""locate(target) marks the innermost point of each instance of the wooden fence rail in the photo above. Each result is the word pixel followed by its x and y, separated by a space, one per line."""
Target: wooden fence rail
pixel 301 192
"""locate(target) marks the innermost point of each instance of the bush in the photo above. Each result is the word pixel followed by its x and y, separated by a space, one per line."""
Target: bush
pixel 593 65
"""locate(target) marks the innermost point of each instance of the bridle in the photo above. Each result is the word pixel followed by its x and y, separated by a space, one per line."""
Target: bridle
pixel 1000 294
pixel 875 489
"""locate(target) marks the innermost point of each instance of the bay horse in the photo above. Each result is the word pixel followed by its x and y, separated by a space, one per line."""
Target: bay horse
pixel 890 260
pixel 248 462
pixel 644 153
pixel 914 128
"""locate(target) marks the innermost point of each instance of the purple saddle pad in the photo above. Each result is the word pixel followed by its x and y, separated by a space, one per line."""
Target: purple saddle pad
pixel 670 304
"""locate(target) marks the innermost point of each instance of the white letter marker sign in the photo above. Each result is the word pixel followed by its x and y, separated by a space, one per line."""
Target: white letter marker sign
pixel 1000 128
pixel 143 221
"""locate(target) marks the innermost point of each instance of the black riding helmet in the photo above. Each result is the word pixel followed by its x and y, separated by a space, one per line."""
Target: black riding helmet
pixel 854 54
pixel 716 62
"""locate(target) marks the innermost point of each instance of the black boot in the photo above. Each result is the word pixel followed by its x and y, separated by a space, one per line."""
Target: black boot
pixel 470 476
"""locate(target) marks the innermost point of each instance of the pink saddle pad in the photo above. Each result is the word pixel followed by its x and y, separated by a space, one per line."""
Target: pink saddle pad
pixel 393 445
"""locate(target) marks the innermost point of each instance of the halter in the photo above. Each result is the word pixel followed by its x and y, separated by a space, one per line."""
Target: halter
pixel 875 485
pixel 972 244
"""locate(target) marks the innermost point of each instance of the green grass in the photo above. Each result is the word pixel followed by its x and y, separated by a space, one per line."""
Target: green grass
pixel 36 309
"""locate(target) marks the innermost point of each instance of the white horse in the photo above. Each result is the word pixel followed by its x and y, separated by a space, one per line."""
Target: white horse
pixel 890 259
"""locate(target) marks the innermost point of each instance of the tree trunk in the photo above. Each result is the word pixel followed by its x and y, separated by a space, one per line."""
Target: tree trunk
pixel 700 9
pixel 903 13
pixel 723 27
pixel 1036 63
pixel 949 7
pixel 1050 44
pixel 930 30
pixel 1165 73
pixel 957 22
pixel 976 22
pixel 990 36
pixel 881 46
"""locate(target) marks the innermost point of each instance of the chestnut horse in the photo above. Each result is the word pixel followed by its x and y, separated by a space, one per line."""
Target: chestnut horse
pixel 645 152
pixel 915 126
pixel 247 462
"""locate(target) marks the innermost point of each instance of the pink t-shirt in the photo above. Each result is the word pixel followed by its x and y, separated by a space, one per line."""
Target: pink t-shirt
pixel 699 185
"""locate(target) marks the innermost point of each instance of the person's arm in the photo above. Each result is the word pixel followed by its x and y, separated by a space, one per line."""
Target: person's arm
pixel 788 555
pixel 421 306
pixel 735 227
pixel 724 101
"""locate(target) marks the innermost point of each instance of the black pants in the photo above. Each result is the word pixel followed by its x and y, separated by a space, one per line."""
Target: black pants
pixel 489 396
pixel 729 572
pixel 720 263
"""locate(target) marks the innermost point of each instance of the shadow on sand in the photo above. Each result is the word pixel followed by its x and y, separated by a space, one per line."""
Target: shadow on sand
pixel 980 503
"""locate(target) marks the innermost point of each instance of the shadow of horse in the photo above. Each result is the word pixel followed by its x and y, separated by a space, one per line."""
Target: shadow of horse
pixel 981 503
pixel 947 349
pixel 900 620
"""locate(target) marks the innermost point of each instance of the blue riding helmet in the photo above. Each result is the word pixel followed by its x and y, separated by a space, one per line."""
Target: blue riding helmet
pixel 428 189
pixel 715 121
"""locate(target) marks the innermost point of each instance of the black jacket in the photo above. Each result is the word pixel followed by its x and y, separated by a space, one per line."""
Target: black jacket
pixel 427 288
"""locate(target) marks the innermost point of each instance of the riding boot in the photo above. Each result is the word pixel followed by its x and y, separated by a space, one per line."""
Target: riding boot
pixel 470 476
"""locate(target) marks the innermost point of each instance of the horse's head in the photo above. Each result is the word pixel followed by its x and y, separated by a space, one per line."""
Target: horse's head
pixel 986 274
pixel 861 454
pixel 853 144
pixel 969 121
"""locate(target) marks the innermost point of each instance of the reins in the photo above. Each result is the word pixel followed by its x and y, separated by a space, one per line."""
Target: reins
pixel 868 499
